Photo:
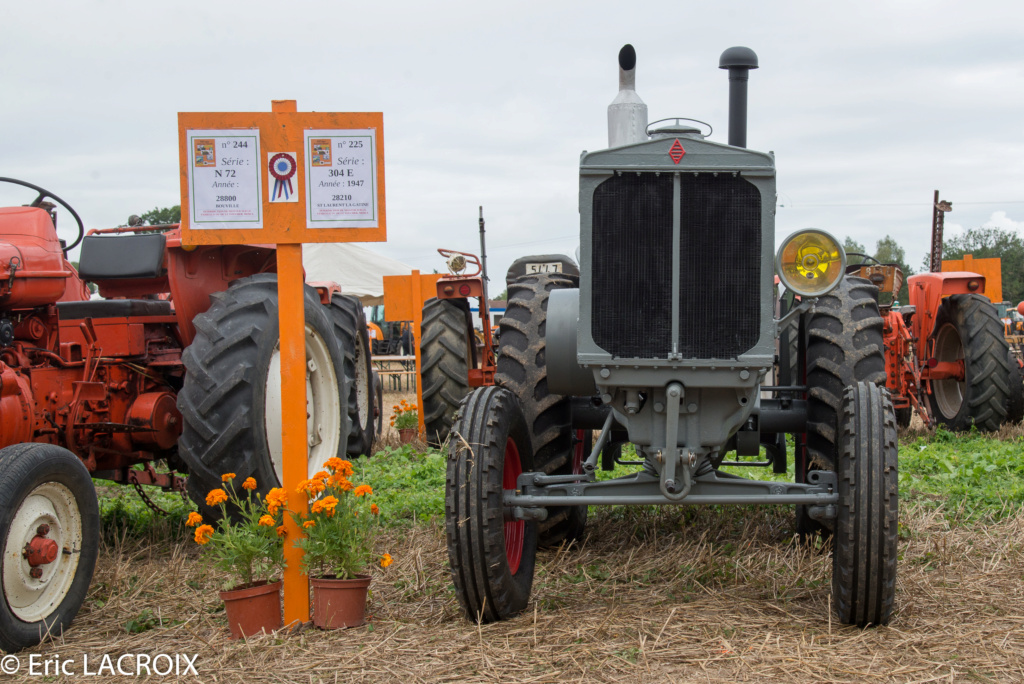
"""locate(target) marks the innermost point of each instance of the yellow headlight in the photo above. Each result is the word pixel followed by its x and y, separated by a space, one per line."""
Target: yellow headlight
pixel 810 262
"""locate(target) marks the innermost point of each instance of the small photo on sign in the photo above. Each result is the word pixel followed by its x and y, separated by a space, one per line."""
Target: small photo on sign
pixel 282 169
pixel 320 151
pixel 205 154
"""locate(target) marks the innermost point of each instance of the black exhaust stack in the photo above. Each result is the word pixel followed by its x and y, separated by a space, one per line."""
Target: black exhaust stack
pixel 739 61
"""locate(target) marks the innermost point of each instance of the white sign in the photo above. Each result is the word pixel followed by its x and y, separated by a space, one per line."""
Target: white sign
pixel 341 178
pixel 224 179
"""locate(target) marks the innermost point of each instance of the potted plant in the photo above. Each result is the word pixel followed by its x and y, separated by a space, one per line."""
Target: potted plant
pixel 406 419
pixel 340 528
pixel 248 545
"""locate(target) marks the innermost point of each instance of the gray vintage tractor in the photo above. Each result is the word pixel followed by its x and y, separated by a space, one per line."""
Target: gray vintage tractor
pixel 669 342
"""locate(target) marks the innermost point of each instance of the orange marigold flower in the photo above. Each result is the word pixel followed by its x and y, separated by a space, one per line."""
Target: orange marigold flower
pixel 385 560
pixel 281 531
pixel 227 477
pixel 203 533
pixel 216 497
pixel 343 484
pixel 333 463
pixel 363 489
pixel 267 521
pixel 321 475
pixel 374 509
pixel 276 499
pixel 250 484
pixel 193 519
pixel 326 504
pixel 309 523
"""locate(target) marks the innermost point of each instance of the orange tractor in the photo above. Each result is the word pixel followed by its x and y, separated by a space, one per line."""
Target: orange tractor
pixel 176 366
pixel 946 355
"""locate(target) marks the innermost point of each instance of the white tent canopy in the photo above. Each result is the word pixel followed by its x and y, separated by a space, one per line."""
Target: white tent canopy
pixel 359 271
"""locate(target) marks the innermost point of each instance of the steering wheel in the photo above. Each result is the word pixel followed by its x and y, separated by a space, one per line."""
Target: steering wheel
pixel 43 194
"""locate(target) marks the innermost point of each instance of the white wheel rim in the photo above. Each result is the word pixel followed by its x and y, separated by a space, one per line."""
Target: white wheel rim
pixel 323 406
pixel 33 598
pixel 949 392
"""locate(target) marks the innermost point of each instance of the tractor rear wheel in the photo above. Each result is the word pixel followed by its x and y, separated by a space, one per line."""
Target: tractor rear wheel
pixel 231 399
pixel 522 369
pixel 49 530
pixel 350 327
pixel 491 557
pixel 447 351
pixel 1015 406
pixel 967 328
pixel 864 544
pixel 844 346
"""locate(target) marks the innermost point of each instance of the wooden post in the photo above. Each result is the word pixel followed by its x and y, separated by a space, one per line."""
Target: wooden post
pixel 295 456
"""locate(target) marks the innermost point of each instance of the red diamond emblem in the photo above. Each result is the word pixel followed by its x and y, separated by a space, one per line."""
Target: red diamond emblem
pixel 676 152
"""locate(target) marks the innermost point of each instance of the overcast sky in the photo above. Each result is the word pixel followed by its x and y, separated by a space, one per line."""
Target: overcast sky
pixel 868 106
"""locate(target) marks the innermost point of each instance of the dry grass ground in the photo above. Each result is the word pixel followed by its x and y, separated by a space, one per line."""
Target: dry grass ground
pixel 674 595
pixel 701 595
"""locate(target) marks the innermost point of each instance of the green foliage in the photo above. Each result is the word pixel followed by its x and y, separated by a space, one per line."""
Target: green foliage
pixel 851 245
pixel 159 216
pixel 245 544
pixel 983 475
pixel 340 526
pixel 124 515
pixel 408 485
pixel 993 242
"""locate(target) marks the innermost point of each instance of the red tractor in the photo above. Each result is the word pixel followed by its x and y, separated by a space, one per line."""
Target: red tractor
pixel 945 354
pixel 177 365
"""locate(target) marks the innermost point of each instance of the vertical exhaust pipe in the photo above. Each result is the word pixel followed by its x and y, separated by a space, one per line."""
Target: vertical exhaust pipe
pixel 627 114
pixel 739 61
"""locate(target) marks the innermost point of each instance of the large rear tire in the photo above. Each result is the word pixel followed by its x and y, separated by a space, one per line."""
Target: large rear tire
pixel 350 328
pixel 231 403
pixel 446 354
pixel 865 540
pixel 522 369
pixel 44 485
pixel 967 327
pixel 491 558
pixel 844 346
pixel 1015 405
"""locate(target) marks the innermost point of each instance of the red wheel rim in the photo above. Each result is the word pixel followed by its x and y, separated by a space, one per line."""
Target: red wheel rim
pixel 577 453
pixel 515 530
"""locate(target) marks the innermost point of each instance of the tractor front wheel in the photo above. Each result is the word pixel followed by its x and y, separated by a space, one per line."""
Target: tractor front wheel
pixel 864 544
pixel 231 399
pixel 968 329
pixel 50 529
pixel 491 556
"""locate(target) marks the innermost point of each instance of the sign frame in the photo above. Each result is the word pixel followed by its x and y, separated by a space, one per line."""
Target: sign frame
pixel 282 131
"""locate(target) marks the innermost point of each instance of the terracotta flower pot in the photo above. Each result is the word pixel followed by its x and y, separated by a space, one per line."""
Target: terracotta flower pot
pixel 339 603
pixel 253 610
pixel 406 435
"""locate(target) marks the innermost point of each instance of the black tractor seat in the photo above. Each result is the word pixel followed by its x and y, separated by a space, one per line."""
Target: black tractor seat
pixel 122 256
pixel 113 308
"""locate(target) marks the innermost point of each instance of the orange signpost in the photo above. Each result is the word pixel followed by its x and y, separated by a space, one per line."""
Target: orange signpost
pixel 284 178
pixel 403 301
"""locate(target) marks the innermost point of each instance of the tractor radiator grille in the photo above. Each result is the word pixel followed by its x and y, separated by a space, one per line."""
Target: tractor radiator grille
pixel 719 258
pixel 719 266
pixel 632 248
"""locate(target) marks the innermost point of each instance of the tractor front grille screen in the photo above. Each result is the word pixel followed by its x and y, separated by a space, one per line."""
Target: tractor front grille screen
pixel 632 265
pixel 719 266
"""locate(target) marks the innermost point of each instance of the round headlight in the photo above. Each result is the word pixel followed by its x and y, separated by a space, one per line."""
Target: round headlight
pixel 810 262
